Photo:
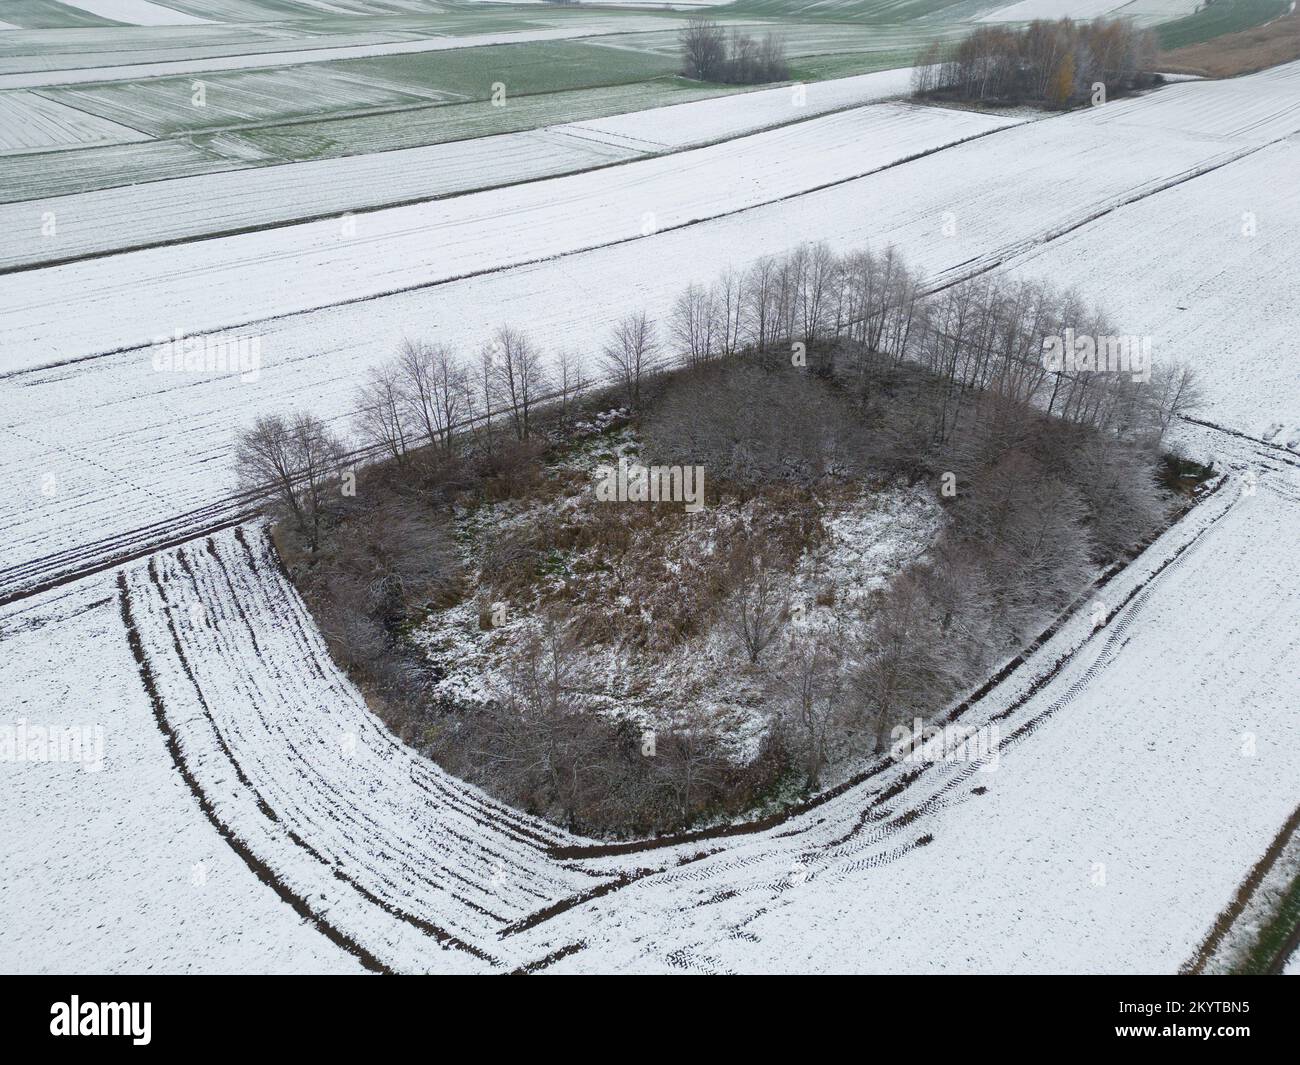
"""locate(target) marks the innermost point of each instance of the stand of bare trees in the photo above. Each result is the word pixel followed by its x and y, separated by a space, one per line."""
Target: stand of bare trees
pixel 293 462
pixel 794 376
pixel 709 53
pixel 427 394
pixel 1058 63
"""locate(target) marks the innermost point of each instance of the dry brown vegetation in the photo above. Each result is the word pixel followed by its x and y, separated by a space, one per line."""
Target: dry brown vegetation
pixel 1239 53
pixel 803 381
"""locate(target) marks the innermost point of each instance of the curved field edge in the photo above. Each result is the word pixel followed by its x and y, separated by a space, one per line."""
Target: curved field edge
pixel 482 884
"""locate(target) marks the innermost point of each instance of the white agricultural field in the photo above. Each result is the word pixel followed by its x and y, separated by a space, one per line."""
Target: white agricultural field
pixel 1086 811
pixel 1258 107
pixel 279 10
pixel 225 282
pixel 116 868
pixel 96 168
pixel 24 175
pixel 103 451
pixel 29 122
pixel 699 122
pixel 1206 270
pixel 1028 10
pixel 417 867
pixel 136 12
pixel 163 106
pixel 115 47
pixel 171 210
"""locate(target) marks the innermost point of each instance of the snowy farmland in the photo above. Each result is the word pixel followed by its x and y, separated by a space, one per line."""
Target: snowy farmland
pixel 33 123
pixel 136 12
pixel 424 873
pixel 953 211
pixel 260 816
pixel 165 211
pixel 423 244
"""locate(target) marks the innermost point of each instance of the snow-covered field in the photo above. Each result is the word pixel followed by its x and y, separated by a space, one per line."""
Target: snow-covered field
pixel 1205 269
pixel 1028 10
pixel 85 470
pixel 1131 806
pixel 683 125
pixel 234 280
pixel 83 75
pixel 29 122
pixel 136 12
pixel 187 207
pixel 119 870
pixel 251 814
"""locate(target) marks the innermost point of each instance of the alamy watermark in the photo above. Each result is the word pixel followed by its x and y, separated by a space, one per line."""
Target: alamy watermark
pixel 82 744
pixel 946 743
pixel 209 355
pixel 634 483
pixel 1085 353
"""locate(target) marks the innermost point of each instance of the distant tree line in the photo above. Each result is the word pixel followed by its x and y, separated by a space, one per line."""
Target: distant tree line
pixel 709 53
pixel 1059 64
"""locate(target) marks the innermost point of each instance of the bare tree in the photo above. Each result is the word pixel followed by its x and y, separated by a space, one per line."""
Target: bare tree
pixel 629 352
pixel 704 49
pixel 480 397
pixel 759 605
pixel 516 368
pixel 570 379
pixel 433 390
pixel 904 668
pixel 692 322
pixel 381 411
pixel 296 461
pixel 811 687
pixel 1175 391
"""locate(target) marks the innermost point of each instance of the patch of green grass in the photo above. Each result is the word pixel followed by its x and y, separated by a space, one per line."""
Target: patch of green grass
pixel 1216 19
pixel 539 66
pixel 822 67
pixel 1274 937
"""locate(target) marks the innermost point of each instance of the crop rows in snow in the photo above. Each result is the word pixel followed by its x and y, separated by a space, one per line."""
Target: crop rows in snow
pixel 417 868
pixel 910 867
pixel 29 122
pixel 226 282
pixel 154 446
pixel 169 210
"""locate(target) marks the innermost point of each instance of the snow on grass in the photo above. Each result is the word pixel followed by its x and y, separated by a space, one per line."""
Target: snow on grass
pixel 176 209
pixel 338 138
pixel 869 537
pixel 29 122
pixel 162 106
pixel 1028 10
pixel 86 75
pixel 700 122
